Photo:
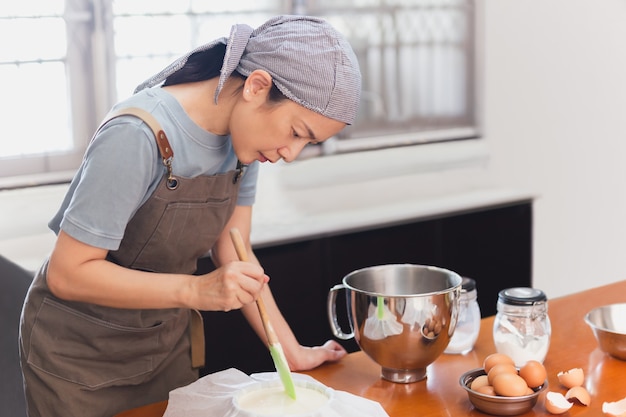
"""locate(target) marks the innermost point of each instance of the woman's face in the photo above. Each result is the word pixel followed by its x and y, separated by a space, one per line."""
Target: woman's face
pixel 263 131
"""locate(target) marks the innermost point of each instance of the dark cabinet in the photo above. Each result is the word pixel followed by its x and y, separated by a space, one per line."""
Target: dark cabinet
pixel 491 245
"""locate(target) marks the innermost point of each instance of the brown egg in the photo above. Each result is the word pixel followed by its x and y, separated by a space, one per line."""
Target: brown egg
pixel 580 394
pixel 556 403
pixel 494 359
pixel 509 385
pixel 501 368
pixel 534 373
pixel 487 390
pixel 479 381
pixel 573 378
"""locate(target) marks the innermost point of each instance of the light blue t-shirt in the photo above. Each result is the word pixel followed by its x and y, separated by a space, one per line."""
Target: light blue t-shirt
pixel 122 168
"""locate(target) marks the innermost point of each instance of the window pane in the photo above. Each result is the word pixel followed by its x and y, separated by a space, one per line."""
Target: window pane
pixel 49 43
pixel 266 7
pixel 35 97
pixel 133 71
pixel 211 27
pixel 152 35
pixel 169 31
pixel 31 8
pixel 33 78
pixel 142 7
pixel 414 61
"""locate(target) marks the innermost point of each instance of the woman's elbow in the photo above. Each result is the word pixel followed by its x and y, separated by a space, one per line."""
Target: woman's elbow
pixel 57 281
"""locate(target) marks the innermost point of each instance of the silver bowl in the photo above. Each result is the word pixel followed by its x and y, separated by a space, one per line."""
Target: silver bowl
pixel 608 324
pixel 496 404
pixel 401 315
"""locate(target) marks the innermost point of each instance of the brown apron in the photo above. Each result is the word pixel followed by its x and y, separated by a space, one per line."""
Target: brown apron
pixel 85 360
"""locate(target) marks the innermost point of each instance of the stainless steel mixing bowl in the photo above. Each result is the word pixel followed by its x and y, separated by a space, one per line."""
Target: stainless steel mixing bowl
pixel 401 315
pixel 608 324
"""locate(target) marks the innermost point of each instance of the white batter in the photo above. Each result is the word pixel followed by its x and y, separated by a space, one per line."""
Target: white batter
pixel 272 401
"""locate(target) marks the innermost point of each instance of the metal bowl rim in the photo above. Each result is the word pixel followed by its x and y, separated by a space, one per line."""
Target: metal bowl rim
pixel 425 294
pixel 602 328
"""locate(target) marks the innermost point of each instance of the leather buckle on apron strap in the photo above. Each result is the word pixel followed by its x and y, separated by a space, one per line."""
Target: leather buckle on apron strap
pixel 196 326
pixel 167 154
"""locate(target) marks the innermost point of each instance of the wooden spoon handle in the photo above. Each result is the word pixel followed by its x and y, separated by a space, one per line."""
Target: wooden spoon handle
pixel 242 253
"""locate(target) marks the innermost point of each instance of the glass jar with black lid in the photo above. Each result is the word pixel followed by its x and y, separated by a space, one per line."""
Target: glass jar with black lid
pixel 521 328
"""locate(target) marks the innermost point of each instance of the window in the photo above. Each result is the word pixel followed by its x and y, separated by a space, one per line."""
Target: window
pixel 417 61
pixel 35 103
pixel 416 56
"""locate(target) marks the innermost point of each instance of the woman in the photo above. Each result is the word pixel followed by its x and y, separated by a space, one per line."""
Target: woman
pixel 105 326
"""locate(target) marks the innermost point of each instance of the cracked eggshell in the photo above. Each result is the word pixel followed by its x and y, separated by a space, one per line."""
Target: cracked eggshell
pixel 615 409
pixel 573 378
pixel 556 403
pixel 580 394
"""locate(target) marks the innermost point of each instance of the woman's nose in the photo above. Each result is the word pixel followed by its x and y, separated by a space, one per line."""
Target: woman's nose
pixel 291 152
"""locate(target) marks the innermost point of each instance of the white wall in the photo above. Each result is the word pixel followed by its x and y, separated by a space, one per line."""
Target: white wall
pixel 555 108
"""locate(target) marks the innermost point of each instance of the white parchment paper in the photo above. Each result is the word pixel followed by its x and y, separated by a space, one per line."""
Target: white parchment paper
pixel 212 395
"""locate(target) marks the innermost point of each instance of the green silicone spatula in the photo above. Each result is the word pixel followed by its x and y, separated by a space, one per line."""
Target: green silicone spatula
pixel 276 350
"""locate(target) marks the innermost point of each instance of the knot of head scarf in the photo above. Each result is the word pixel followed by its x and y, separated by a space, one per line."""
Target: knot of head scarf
pixel 236 44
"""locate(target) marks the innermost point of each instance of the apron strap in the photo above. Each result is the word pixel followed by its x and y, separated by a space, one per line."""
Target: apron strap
pixel 196 324
pixel 163 144
pixel 165 149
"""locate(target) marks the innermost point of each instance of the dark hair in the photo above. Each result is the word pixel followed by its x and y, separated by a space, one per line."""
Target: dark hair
pixel 207 64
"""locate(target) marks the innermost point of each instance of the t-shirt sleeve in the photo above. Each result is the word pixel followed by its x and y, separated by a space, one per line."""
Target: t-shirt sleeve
pixel 117 174
pixel 247 189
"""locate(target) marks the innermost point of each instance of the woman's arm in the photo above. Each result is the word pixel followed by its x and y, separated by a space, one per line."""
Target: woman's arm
pixel 299 357
pixel 80 272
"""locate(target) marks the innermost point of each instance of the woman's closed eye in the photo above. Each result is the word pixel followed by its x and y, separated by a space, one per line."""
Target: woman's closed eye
pixel 311 141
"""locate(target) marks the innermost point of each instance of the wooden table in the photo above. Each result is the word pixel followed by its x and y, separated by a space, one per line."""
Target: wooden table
pixel 572 346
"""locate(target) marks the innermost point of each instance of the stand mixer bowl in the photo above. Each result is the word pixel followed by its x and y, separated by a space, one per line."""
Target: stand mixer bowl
pixel 401 315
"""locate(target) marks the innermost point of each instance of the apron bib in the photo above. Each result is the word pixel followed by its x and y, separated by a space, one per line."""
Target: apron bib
pixel 81 359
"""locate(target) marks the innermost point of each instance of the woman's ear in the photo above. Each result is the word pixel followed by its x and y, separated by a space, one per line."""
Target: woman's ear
pixel 258 84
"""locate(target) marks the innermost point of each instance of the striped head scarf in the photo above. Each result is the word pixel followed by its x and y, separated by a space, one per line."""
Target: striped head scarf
pixel 310 62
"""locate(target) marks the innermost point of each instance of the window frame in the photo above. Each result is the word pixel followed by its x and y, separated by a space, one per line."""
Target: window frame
pixel 93 19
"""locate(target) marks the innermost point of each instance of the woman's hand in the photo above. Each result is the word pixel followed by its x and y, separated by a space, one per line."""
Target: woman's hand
pixel 312 357
pixel 299 357
pixel 229 287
